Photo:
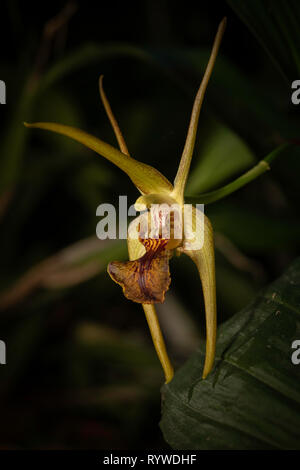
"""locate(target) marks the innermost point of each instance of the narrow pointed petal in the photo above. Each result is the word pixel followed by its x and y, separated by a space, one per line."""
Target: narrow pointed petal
pixel 205 261
pixel 146 178
pixel 185 162
pixel 112 119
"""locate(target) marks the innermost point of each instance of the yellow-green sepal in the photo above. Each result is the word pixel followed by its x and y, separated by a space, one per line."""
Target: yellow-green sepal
pixel 146 178
pixel 204 259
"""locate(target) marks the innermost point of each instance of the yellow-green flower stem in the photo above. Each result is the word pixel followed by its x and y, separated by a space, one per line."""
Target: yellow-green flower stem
pixel 158 340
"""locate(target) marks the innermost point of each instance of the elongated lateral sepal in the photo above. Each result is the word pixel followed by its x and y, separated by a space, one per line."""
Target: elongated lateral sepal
pixel 146 178
pixel 204 259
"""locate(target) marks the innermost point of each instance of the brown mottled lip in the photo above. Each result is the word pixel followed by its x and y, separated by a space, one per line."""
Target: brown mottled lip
pixel 146 279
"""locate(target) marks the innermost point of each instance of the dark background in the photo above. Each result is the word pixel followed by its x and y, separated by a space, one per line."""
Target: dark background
pixel 81 371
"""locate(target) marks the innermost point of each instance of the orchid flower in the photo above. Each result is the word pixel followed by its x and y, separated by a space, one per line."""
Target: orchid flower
pixel 145 277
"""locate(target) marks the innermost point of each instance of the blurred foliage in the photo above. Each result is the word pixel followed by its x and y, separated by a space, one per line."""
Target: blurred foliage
pixel 81 370
pixel 276 26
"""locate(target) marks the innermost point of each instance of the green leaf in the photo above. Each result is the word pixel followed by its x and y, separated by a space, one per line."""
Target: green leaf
pixel 251 400
pixel 276 26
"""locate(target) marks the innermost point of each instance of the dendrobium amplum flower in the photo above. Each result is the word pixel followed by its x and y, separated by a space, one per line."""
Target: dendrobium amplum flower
pixel 146 277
